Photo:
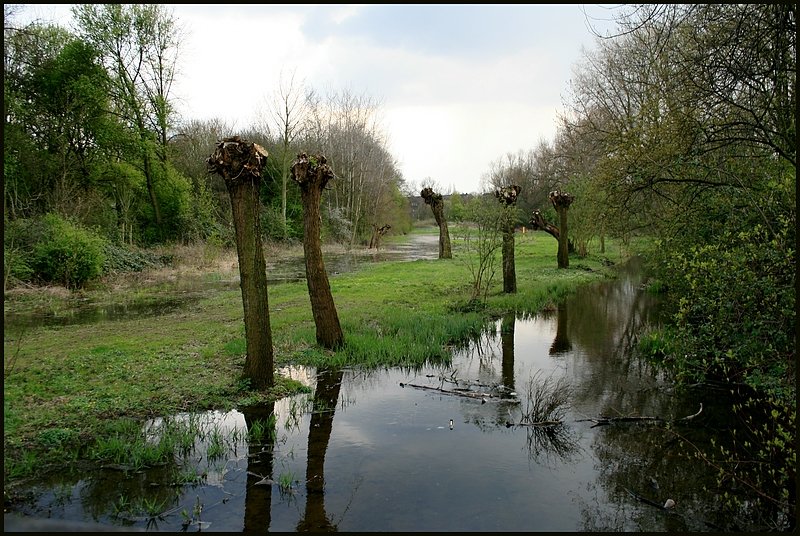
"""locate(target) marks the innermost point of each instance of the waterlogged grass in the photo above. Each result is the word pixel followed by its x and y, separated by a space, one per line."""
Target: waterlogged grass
pixel 82 391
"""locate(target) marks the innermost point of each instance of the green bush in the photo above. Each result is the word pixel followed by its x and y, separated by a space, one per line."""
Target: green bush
pixel 16 265
pixel 67 254
pixel 121 258
pixel 736 315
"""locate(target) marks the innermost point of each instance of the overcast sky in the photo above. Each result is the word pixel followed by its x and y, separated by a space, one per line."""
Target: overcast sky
pixel 459 85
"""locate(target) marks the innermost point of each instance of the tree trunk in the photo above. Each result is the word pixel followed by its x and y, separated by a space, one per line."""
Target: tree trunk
pixel 538 223
pixel 240 164
pixel 508 198
pixel 437 206
pixel 561 202
pixel 377 233
pixel 312 174
pixel 509 269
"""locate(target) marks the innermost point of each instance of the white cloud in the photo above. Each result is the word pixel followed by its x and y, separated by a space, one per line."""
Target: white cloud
pixel 460 85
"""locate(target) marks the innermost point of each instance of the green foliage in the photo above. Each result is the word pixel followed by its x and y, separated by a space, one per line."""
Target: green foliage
pixel 120 259
pixel 199 217
pixel 174 193
pixel 16 257
pixel 736 313
pixel 482 242
pixel 454 209
pixel 761 455
pixel 68 254
pixel 272 225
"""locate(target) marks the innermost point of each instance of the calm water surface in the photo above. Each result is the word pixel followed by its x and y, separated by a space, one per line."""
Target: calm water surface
pixel 443 448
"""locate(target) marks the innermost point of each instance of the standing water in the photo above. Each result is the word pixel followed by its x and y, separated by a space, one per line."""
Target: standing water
pixel 545 423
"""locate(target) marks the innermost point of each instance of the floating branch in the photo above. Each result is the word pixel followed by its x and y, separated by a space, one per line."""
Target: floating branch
pixel 540 423
pixel 455 392
pixel 667 506
pixel 604 420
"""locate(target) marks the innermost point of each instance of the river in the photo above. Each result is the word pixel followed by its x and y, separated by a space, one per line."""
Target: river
pixel 452 447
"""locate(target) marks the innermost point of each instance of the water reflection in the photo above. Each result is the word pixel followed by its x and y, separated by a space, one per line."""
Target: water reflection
pixel 326 398
pixel 443 447
pixel 259 484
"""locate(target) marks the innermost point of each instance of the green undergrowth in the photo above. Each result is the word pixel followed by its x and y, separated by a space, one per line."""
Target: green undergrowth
pixel 64 385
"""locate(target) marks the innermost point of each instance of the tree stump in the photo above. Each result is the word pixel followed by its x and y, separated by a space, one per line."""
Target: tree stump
pixel 240 163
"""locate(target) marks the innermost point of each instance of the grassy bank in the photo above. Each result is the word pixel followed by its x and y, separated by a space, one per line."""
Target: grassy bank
pixel 68 386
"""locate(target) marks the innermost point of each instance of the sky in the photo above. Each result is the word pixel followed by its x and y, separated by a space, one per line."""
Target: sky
pixel 458 86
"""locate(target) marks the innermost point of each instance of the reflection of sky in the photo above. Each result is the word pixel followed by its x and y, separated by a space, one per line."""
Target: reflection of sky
pixel 393 463
pixel 392 460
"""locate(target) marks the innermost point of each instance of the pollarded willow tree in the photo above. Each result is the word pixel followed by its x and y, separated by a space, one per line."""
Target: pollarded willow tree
pixel 561 202
pixel 312 173
pixel 240 164
pixel 436 203
pixel 507 196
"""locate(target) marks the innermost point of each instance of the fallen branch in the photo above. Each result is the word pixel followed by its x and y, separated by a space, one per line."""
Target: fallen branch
pixel 690 417
pixel 468 394
pixel 605 420
pixel 667 506
pixel 539 423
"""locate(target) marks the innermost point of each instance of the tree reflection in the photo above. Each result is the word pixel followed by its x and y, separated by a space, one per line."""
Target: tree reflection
pixel 326 397
pixel 258 496
pixel 561 343
pixel 507 341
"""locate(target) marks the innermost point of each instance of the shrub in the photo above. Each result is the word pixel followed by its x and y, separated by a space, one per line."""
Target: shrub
pixel 736 315
pixel 121 258
pixel 67 254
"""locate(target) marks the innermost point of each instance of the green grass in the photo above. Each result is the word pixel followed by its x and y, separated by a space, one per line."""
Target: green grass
pixel 67 385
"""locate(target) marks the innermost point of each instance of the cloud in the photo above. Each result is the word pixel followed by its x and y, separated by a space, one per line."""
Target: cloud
pixel 459 85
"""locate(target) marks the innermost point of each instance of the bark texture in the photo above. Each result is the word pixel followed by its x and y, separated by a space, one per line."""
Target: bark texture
pixel 538 223
pixel 437 206
pixel 561 202
pixel 240 163
pixel 507 195
pixel 312 173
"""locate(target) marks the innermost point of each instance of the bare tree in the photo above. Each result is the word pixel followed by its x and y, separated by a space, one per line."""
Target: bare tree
pixel 345 127
pixel 287 116
pixel 312 173
pixel 240 163
pixel 481 243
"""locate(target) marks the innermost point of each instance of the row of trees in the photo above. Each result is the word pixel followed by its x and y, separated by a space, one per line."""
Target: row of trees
pixel 91 134
pixel 681 126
